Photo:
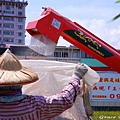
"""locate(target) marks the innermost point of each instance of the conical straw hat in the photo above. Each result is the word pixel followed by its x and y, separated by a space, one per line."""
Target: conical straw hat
pixel 13 73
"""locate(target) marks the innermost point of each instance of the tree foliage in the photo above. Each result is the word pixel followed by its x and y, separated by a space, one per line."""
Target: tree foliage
pixel 117 16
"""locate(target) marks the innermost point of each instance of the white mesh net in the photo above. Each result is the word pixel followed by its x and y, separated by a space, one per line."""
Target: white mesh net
pixel 42 45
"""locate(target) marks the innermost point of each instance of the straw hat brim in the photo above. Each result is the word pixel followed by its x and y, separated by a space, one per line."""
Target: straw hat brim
pixel 21 77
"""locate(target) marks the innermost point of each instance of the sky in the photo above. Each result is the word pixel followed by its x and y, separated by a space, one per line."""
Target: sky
pixel 94 15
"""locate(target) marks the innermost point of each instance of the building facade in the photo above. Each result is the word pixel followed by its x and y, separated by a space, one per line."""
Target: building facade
pixel 12 21
pixel 69 54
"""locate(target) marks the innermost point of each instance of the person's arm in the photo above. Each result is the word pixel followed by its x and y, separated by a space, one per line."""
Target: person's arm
pixel 56 104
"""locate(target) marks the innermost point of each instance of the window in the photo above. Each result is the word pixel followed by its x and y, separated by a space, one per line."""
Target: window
pixel 19 7
pixel 8 32
pixel 12 6
pixel 19 13
pixel 9 18
pixel 20 26
pixel 8 25
pixel 85 55
pixel 0 25
pixel 7 7
pixel 8 12
pixel 20 19
pixel 60 54
pixel 12 19
pixel 19 34
pixel 57 54
pixel 75 55
pixel 64 54
pixel 8 39
pixel 19 41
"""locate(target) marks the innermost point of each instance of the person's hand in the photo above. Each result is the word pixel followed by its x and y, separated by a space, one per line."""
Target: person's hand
pixel 79 71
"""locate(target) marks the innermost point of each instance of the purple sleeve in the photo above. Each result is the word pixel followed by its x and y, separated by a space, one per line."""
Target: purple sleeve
pixel 54 105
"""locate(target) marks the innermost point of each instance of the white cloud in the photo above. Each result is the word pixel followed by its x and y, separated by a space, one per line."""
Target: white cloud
pixel 89 12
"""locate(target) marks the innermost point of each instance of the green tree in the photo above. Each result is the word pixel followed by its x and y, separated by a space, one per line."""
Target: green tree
pixel 117 16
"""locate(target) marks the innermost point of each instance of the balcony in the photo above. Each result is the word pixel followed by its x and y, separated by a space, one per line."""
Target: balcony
pixel 14 2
